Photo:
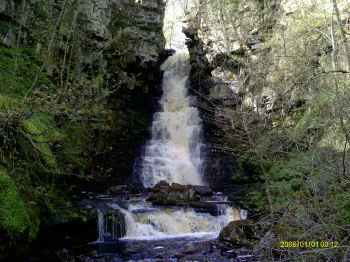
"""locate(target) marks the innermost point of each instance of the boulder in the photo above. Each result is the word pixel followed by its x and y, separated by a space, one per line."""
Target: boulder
pixel 161 186
pixel 176 194
pixel 204 207
pixel 203 190
pixel 181 192
pixel 120 190
pixel 190 250
pixel 239 233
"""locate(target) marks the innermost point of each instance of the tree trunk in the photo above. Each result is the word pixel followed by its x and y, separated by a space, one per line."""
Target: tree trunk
pixel 342 32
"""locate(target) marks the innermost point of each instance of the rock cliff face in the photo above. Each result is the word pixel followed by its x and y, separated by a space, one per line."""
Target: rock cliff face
pixel 222 41
pixel 232 49
pixel 118 41
pixel 220 46
pixel 139 22
pixel 135 29
pixel 103 22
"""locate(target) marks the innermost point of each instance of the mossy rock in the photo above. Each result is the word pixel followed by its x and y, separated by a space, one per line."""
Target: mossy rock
pixel 14 217
pixel 42 128
pixel 161 186
pixel 239 233
pixel 164 194
pixel 176 186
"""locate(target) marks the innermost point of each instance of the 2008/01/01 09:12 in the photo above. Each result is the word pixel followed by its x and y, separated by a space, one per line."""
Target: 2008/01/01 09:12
pixel 313 244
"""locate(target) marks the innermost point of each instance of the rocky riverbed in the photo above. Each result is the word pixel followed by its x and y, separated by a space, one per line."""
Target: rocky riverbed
pixel 163 223
pixel 175 249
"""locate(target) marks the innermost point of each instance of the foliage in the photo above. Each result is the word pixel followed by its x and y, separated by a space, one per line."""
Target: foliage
pixel 43 129
pixel 14 216
pixel 54 89
pixel 293 122
pixel 51 105
pixel 18 71
pixel 127 123
pixel 76 148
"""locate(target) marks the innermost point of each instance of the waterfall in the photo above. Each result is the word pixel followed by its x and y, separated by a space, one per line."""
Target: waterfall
pixel 163 223
pixel 174 151
pixel 100 226
pixel 172 154
pixel 110 226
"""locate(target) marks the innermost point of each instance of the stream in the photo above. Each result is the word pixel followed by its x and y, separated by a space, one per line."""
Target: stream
pixel 130 228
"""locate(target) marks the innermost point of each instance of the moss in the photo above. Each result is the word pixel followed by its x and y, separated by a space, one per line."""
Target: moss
pixel 18 70
pixel 7 102
pixel 76 149
pixel 176 186
pixel 42 128
pixel 34 224
pixel 14 217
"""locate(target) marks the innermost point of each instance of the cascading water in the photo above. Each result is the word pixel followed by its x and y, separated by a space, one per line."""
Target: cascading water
pixel 174 152
pixel 100 226
pixel 110 226
pixel 167 222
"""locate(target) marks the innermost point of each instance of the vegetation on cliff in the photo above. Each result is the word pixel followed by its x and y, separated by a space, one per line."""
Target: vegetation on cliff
pixel 13 215
pixel 290 121
pixel 60 70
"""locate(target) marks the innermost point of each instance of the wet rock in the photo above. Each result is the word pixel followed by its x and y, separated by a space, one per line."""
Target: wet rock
pixel 176 194
pixel 181 192
pixel 190 250
pixel 213 248
pixel 197 257
pixel 120 190
pixel 177 186
pixel 179 256
pixel 229 254
pixel 203 190
pixel 161 186
pixel 204 207
pixel 239 233
pixel 165 54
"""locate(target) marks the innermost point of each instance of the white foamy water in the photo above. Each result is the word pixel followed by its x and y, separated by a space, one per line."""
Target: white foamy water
pixel 100 226
pixel 172 223
pixel 174 151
